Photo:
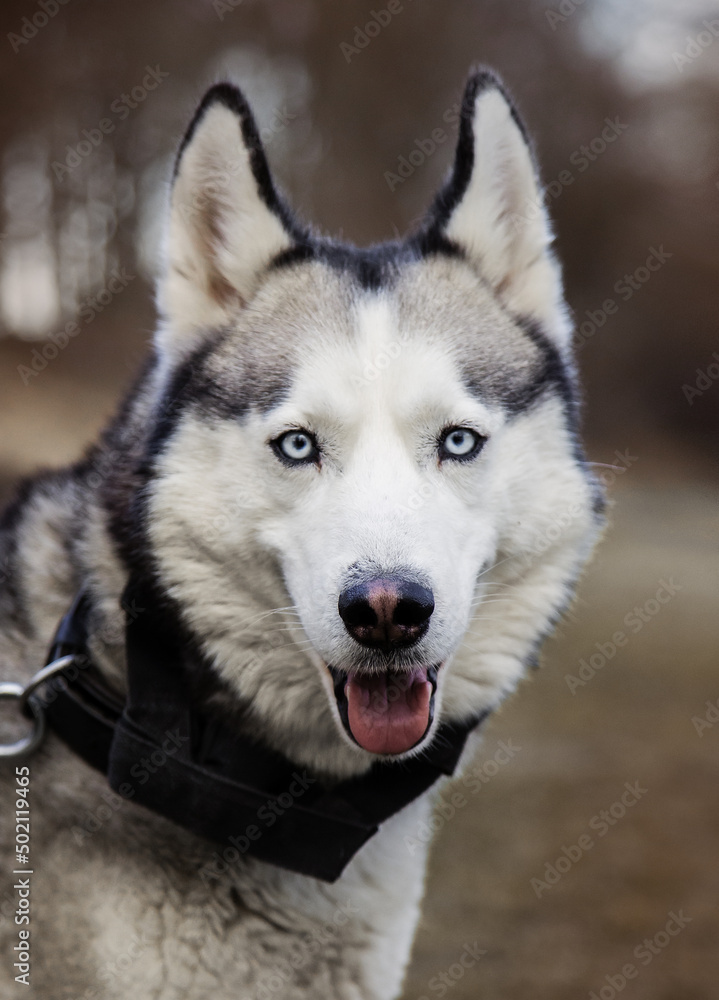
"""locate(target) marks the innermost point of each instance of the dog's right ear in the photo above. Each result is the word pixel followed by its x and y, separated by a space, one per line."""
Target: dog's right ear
pixel 226 223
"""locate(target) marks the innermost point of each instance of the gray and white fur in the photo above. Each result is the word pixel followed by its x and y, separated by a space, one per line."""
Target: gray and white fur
pixel 374 355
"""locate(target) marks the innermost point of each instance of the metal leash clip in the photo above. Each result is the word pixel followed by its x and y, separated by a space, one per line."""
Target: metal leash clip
pixel 30 706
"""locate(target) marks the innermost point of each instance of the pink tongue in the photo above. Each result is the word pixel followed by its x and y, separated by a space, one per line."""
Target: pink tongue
pixel 388 713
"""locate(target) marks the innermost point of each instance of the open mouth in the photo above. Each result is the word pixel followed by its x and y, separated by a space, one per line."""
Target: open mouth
pixel 388 712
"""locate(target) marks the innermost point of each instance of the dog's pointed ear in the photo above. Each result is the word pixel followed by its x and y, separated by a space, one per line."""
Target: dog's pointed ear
pixel 226 222
pixel 492 208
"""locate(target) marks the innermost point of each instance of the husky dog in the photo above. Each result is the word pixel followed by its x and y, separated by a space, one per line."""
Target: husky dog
pixel 335 459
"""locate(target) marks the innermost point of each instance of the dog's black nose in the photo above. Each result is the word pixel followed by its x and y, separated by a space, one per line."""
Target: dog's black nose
pixel 387 612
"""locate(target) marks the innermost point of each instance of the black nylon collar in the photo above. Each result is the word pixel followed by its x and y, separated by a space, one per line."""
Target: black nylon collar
pixel 158 750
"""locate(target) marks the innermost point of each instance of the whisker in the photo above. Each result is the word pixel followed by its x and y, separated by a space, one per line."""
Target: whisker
pixel 249 622
pixel 489 569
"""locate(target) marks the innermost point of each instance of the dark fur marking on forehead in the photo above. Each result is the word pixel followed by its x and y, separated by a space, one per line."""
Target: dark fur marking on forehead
pixel 551 372
pixel 373 268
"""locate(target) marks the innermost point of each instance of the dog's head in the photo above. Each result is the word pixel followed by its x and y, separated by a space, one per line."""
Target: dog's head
pixel 367 498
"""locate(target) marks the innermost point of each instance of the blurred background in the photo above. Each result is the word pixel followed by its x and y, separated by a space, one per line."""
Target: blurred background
pixel 623 101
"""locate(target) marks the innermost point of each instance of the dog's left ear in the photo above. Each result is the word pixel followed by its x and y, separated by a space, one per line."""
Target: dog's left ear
pixel 226 223
pixel 492 208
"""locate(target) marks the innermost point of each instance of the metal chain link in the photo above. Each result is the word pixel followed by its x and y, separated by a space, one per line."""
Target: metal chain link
pixel 10 691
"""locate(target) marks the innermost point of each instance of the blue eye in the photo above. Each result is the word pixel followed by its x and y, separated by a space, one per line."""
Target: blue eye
pixel 296 447
pixel 460 443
